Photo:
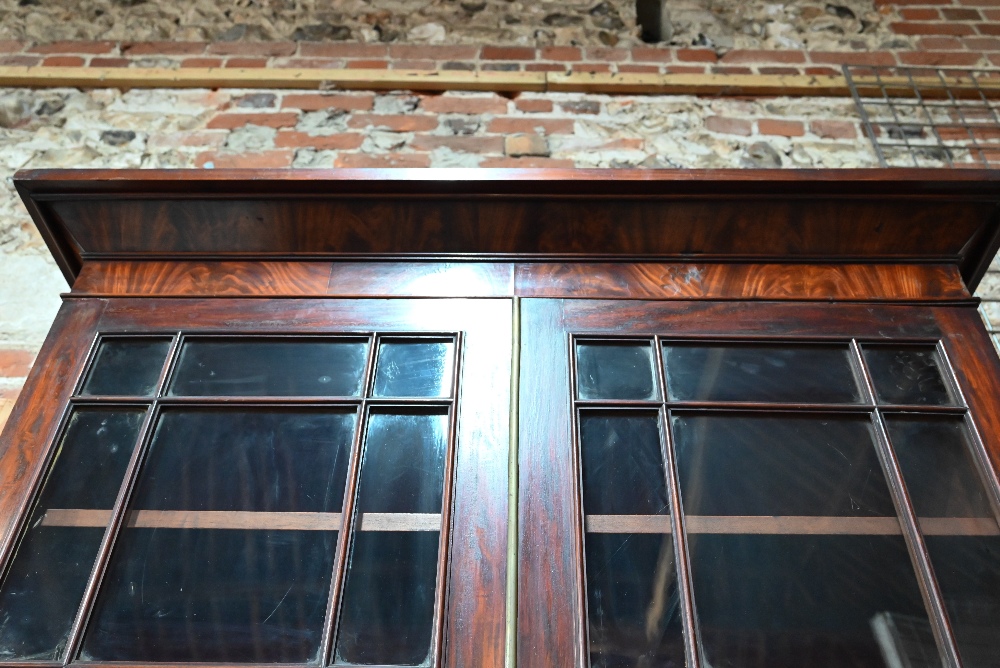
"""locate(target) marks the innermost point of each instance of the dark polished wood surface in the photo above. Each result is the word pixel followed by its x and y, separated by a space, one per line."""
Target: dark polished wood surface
pixel 845 215
pixel 779 282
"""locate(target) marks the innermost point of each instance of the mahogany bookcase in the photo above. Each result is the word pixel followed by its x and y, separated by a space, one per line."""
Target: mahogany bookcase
pixel 508 417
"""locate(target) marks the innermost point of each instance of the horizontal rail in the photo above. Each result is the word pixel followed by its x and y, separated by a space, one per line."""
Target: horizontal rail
pixel 791 525
pixel 578 82
pixel 239 519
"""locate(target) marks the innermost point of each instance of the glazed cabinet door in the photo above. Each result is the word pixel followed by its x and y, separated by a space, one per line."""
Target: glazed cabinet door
pixel 254 481
pixel 750 484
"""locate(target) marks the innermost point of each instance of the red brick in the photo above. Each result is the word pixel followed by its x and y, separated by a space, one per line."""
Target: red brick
pixel 628 68
pixel 560 53
pixel 988 28
pixel 739 56
pixel 833 129
pixel 448 104
pixel 719 69
pixel 342 50
pixel 309 63
pixel 405 160
pixel 252 48
pixel 63 61
pixel 201 62
pixel 857 58
pixel 15 363
pixel 729 126
pixel 367 64
pixel 20 61
pixel 772 126
pixel 74 47
pixel 940 43
pixel 938 28
pixel 246 62
pixel 281 119
pixel 892 3
pixel 552 126
pixel 591 67
pixel 317 101
pixel 982 43
pixel 163 48
pixel 98 61
pixel 507 53
pixel 347 141
pixel 396 123
pixel 922 14
pixel 979 3
pixel 533 105
pixel 12 46
pixel 991 14
pixel 478 145
pixel 424 65
pixel 645 54
pixel 685 69
pixel 529 163
pixel 961 15
pixel 936 58
pixel 607 54
pixel 276 159
pixel 544 67
pixel 697 55
pixel 432 52
pixel 822 71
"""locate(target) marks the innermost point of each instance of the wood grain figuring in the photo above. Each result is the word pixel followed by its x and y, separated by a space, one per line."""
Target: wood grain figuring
pixel 208 279
pixel 230 519
pixel 741 281
pixel 430 279
pixel 28 436
pixel 835 526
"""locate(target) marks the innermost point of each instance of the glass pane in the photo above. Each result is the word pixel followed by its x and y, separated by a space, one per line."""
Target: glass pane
pixel 229 550
pixel 388 604
pixel 622 465
pixel 126 367
pixel 414 369
pixel 403 469
pixel 814 374
pixel 387 612
pixel 632 601
pixel 270 367
pixel 968 571
pixel 935 455
pixel 41 593
pixel 796 553
pixel 907 375
pixel 615 371
pixel 823 465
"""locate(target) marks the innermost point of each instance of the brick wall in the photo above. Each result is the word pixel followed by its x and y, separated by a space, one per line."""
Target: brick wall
pixel 293 129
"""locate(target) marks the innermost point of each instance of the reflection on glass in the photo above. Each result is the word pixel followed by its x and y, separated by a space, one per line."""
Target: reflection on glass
pixel 622 465
pixel 907 375
pixel 126 367
pixel 387 611
pixel 248 587
pixel 968 571
pixel 632 601
pixel 823 465
pixel 817 374
pixel 808 578
pixel 615 371
pixel 270 367
pixel 414 369
pixel 388 604
pixel 46 580
pixel 935 454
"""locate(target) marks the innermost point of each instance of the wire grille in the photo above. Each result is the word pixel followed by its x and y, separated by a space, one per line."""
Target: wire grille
pixel 929 117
